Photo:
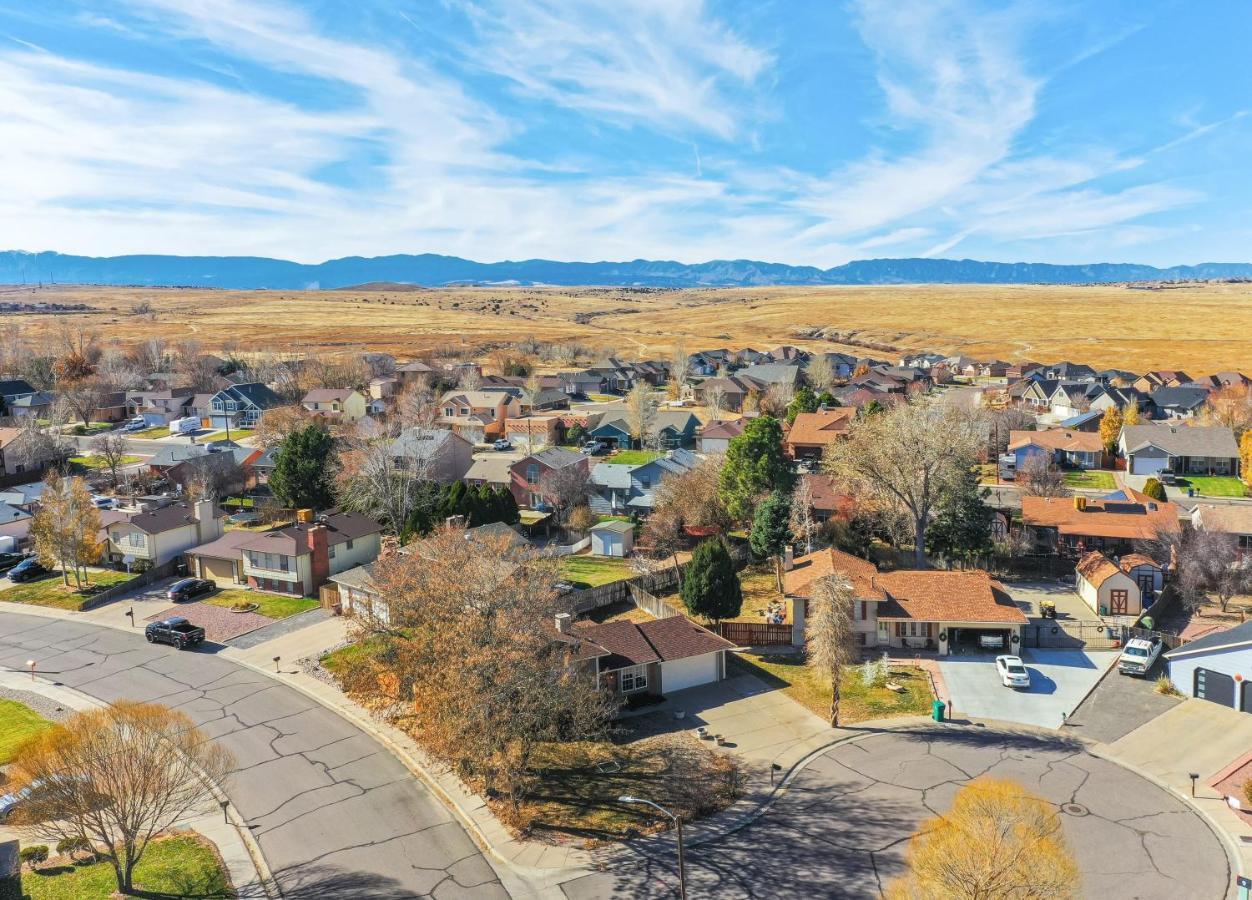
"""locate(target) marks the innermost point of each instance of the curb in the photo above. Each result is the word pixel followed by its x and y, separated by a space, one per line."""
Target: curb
pixel 1091 690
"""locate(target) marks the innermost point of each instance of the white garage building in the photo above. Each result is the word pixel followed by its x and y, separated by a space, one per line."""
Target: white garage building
pixel 1216 667
pixel 660 656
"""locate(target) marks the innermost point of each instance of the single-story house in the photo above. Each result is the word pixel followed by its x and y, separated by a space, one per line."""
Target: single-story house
pixel 612 538
pixel 1227 518
pixel 1081 449
pixel 1216 667
pixel 715 437
pixel 154 537
pixel 661 656
pixel 1182 449
pixel 1106 588
pixel 938 609
pixel 811 433
pixel 1071 526
pixel 1179 402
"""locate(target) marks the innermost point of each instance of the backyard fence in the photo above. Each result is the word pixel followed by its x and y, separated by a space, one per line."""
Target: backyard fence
pixel 650 603
pixel 663 581
pixel 756 634
pixel 118 590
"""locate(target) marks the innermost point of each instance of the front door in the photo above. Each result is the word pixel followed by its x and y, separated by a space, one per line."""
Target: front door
pixel 884 633
pixel 1118 601
pixel 1147 582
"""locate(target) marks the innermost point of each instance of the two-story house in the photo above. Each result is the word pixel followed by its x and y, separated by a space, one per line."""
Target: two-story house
pixel 299 559
pixel 240 406
pixel 161 406
pixel 811 433
pixel 157 536
pixel 345 405
pixel 527 476
pixel 436 454
pixel 478 416
pixel 620 488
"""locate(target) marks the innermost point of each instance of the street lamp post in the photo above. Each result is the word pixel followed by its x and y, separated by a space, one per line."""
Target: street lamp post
pixel 678 827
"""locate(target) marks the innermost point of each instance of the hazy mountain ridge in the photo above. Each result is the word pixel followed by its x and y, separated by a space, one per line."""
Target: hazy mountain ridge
pixel 432 270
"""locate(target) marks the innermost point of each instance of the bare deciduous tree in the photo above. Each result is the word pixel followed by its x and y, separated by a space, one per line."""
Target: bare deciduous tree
pixel 803 525
pixel 909 456
pixel 715 400
pixel 829 638
pixel 640 412
pixel 1210 564
pixel 680 362
pixel 1040 477
pixel 820 373
pixel 117 777
pixel 565 488
pixel 110 447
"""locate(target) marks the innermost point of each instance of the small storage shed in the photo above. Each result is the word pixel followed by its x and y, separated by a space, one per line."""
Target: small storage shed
pixel 612 538
pixel 1106 588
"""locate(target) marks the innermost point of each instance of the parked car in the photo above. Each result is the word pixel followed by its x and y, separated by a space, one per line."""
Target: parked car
pixel 9 560
pixel 1167 478
pixel 101 502
pixel 502 444
pixel 244 517
pixel 991 641
pixel 28 570
pixel 1138 656
pixel 593 448
pixel 176 631
pixel 188 588
pixel 135 425
pixel 1012 672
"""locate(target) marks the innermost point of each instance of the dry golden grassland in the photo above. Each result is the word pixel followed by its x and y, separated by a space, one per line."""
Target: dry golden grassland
pixel 1199 328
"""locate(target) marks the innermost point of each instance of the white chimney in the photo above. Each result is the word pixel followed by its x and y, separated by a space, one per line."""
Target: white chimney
pixel 204 510
pixel 789 559
pixel 563 622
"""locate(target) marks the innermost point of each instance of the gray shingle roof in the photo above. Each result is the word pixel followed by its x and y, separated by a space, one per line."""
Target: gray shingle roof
pixel 1183 440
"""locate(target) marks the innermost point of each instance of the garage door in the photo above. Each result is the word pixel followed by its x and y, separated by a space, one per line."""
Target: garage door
pixel 1148 465
pixel 1215 686
pixel 1245 700
pixel 220 570
pixel 691 672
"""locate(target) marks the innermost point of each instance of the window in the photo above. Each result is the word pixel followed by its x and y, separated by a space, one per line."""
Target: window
pixel 864 611
pixel 135 539
pixel 330 551
pixel 532 474
pixel 645 482
pixel 449 410
pixel 349 543
pixel 634 678
pixel 284 562
pixel 1245 542
pixel 465 411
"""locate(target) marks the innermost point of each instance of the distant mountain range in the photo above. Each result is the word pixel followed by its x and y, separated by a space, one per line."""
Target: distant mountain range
pixel 431 270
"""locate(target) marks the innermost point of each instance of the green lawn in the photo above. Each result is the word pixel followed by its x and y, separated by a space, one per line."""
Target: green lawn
pixel 50 591
pixel 236 434
pixel 181 866
pixel 271 605
pixel 1093 479
pixel 17 723
pixel 239 503
pixel 632 457
pixel 585 571
pixel 99 462
pixel 857 703
pixel 1227 486
pixel 603 398
pixel 151 434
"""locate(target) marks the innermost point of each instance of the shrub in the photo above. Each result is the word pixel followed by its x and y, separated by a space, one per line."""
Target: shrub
pixel 80 430
pixel 1166 687
pixel 1154 489
pixel 73 845
pixel 1247 792
pixel 34 854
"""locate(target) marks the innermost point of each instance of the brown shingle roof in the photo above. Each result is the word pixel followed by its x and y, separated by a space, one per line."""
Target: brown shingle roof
pixel 167 518
pixel 1058 439
pixel 823 427
pixel 940 596
pixel 727 429
pixel 293 540
pixel 639 643
pixel 798 581
pixel 622 641
pixel 1137 517
pixel 1096 568
pixel 1134 560
pixel 677 637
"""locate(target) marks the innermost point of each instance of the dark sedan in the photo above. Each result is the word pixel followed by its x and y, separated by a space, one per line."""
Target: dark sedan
pixel 28 570
pixel 189 588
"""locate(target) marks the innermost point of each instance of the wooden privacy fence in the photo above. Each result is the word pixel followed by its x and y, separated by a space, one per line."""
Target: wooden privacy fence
pixel 650 603
pixel 662 581
pixel 754 633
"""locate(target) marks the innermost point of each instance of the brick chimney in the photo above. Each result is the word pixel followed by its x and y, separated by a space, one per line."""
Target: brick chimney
pixel 563 622
pixel 319 547
pixel 789 558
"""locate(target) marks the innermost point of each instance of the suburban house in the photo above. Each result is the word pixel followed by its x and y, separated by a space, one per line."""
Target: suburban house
pixel 715 437
pixel 155 537
pixel 1078 449
pixel 527 432
pixel 669 429
pixel 477 416
pixel 934 609
pixel 621 488
pixel 344 405
pixel 240 406
pixel 494 471
pixel 299 559
pixel 36 404
pixel 1234 519
pixel 1178 402
pixel 15 522
pixel 1072 526
pixel 1088 421
pixel 1068 371
pixel 410 372
pixel 13 388
pixel 220 561
pixel 19 456
pixel 112 408
pixel 160 407
pixel 1151 381
pixel 1215 667
pixel 441 455
pixel 730 391
pixel 527 475
pixel 1181 449
pixel 1118 588
pixel 824 501
pixel 811 433
pixel 659 656
pixel 186 464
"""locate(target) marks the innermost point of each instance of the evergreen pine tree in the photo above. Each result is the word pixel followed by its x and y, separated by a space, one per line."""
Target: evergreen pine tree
pixel 710 586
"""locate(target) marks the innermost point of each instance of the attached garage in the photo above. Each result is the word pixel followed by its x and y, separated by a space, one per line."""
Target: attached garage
pixel 1149 461
pixel 223 571
pixel 220 561
pixel 1216 668
pixel 679 674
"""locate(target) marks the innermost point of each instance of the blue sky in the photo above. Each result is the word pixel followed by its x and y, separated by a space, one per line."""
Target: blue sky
pixel 792 131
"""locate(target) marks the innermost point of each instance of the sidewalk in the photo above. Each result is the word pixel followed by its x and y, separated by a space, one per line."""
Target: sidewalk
pixel 228 838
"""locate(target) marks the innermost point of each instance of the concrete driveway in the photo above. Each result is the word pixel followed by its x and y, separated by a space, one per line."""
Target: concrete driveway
pixel 1058 681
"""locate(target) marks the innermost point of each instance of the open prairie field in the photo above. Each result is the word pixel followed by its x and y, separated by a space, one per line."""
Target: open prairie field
pixel 1199 327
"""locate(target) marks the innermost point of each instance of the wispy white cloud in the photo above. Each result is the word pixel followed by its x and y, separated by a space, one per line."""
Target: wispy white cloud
pixel 668 64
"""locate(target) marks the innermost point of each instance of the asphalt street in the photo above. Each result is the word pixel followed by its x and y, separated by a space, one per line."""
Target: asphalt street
pixel 336 815
pixel 842 827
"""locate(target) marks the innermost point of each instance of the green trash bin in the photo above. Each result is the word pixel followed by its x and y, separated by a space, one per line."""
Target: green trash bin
pixel 937 709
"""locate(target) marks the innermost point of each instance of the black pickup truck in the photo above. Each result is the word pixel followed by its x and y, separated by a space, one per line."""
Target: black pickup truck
pixel 176 631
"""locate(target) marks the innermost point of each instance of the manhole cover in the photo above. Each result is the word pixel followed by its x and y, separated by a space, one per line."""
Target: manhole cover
pixel 1074 809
